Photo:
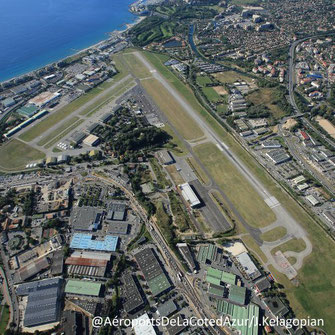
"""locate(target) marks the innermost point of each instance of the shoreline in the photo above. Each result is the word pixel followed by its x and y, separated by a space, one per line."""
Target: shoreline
pixel 128 26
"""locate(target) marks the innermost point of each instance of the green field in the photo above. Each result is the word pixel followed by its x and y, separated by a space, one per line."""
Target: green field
pixel 316 292
pixel 58 130
pixel 171 108
pixel 274 234
pixel 64 133
pixel 265 96
pixel 229 77
pixel 211 94
pixel 136 66
pixel 203 80
pixel 294 244
pixel 4 318
pixel 243 196
pixel 254 247
pixel 15 155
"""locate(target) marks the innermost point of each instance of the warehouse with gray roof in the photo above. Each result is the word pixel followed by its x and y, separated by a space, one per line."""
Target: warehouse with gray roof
pixel 43 303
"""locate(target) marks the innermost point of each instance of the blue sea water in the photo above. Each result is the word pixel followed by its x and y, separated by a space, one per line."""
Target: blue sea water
pixel 34 33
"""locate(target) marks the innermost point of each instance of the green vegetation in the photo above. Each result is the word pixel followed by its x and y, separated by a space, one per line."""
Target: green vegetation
pixel 142 233
pixel 203 80
pixel 175 144
pixel 229 77
pixel 58 131
pixel 274 234
pixel 4 311
pixel 136 66
pixel 164 222
pixel 162 181
pixel 152 29
pixel 64 133
pixel 243 196
pixel 181 217
pixel 200 173
pixel 211 94
pixel 272 98
pixel 171 108
pixel 254 247
pixel 294 244
pixel 15 155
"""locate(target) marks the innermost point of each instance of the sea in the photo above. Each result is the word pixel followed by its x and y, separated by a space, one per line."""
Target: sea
pixel 34 33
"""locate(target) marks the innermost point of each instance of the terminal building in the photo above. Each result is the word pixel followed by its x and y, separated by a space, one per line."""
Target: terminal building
pixel 189 195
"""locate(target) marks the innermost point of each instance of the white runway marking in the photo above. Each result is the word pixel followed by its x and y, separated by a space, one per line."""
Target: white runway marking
pixel 272 202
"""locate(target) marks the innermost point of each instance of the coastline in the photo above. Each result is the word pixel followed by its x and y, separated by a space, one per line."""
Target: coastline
pixel 128 26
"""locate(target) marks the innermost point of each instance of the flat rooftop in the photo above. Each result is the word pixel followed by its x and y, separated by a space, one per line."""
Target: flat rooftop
pixel 87 242
pixel 83 287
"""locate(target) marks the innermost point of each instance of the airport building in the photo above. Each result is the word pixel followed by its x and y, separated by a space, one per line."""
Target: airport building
pixel 189 195
pixel 143 326
pixel 248 265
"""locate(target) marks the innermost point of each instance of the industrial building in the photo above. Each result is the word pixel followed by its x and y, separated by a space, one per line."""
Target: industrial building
pixel 33 268
pixel 86 218
pixel 43 301
pixel 44 98
pixel 86 266
pixel 153 271
pixel 248 265
pixel 27 111
pixel 77 138
pixel 82 287
pixel 91 140
pixel 165 157
pixel 189 195
pixel 143 326
pixel 330 216
pixel 116 211
pixel 237 294
pixel 176 325
pixel 187 254
pixel 133 299
pixel 86 242
pixel 75 323
pixel 239 315
pixel 167 309
pixel 106 117
pixel 219 278
pixel 210 254
pixel 271 144
pixel 310 198
pixel 92 127
pixel 278 156
pixel 120 228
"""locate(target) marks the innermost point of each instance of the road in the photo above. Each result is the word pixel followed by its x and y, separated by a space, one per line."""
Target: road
pixel 291 80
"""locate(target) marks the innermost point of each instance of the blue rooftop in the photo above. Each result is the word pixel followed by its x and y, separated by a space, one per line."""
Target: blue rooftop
pixel 85 241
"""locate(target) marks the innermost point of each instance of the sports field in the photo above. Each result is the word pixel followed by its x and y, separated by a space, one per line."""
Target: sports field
pixel 173 111
pixel 15 155
pixel 243 196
